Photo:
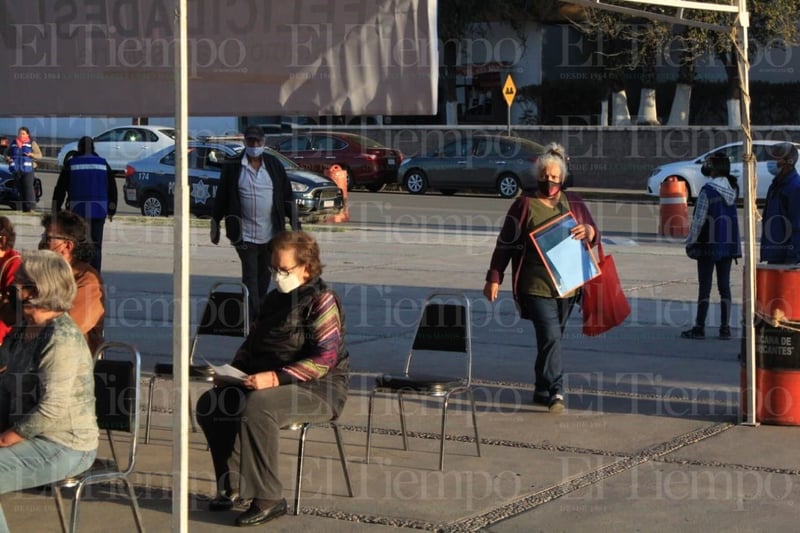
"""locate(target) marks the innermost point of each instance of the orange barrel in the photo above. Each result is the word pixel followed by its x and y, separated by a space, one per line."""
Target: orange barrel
pixel 777 296
pixel 339 176
pixel 674 209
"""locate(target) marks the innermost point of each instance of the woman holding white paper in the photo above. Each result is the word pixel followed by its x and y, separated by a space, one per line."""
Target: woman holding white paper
pixel 534 292
pixel 297 371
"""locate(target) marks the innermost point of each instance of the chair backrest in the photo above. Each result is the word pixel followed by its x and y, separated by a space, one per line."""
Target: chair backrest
pixel 226 313
pixel 117 389
pixel 444 326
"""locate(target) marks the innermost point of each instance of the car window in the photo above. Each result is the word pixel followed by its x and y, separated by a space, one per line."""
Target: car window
pixel 455 149
pixel 761 152
pixel 327 143
pixel 111 136
pixel 168 133
pixel 507 149
pixel 214 158
pixel 734 153
pixel 295 144
pixel 483 147
pixel 169 159
pixel 147 136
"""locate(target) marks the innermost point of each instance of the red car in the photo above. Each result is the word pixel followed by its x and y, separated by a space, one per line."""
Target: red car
pixel 367 162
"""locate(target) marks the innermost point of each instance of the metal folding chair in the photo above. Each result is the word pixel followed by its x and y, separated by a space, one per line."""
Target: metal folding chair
pixel 118 398
pixel 444 326
pixel 226 313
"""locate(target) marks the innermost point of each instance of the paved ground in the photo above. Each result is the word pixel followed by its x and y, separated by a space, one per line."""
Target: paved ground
pixel 649 440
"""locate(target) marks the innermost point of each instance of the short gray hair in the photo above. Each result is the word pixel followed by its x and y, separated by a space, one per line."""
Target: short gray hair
pixel 554 154
pixel 51 276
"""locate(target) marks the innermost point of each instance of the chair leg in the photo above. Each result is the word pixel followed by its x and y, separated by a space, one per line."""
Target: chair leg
pixel 402 420
pixel 73 521
pixel 444 425
pixel 369 425
pixel 62 518
pixel 342 457
pixel 300 453
pixel 149 409
pixel 137 515
pixel 474 422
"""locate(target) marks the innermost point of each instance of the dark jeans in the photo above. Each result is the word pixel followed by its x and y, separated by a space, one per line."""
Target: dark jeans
pixel 705 274
pixel 242 431
pixel 549 317
pixel 255 260
pixel 27 196
pixel 96 226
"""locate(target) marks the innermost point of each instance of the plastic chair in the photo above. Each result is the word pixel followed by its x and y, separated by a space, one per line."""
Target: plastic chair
pixel 118 398
pixel 226 313
pixel 304 427
pixel 444 326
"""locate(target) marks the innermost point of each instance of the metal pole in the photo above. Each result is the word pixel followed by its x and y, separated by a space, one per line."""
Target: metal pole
pixel 180 287
pixel 509 120
pixel 750 180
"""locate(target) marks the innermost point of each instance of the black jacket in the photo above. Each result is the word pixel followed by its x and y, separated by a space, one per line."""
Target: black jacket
pixel 227 203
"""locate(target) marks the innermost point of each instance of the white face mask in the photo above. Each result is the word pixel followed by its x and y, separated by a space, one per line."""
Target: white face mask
pixel 254 151
pixel 286 282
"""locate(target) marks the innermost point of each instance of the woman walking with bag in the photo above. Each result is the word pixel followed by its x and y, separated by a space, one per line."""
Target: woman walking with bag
pixel 714 242
pixel 534 292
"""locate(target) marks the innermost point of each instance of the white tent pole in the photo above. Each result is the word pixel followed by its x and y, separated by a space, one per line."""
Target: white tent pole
pixel 180 287
pixel 750 179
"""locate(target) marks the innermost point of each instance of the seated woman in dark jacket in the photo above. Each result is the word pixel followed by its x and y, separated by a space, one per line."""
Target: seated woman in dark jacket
pixel 297 368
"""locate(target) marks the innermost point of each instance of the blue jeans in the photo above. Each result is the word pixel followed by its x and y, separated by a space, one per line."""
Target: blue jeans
pixel 255 260
pixel 549 317
pixel 96 227
pixel 27 195
pixel 36 462
pixel 705 275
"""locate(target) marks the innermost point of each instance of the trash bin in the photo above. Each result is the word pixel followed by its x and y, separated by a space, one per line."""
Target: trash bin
pixel 777 340
pixel 673 208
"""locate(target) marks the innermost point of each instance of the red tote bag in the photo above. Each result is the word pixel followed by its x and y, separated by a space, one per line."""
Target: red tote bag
pixel 603 303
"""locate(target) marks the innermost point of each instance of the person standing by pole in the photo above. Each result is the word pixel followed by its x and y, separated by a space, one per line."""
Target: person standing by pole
pixel 89 182
pixel 780 232
pixel 21 155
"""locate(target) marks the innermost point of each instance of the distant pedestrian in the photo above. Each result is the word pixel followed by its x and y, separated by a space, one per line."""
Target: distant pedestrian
pixel 780 230
pixel 254 199
pixel 21 155
pixel 87 182
pixel 533 288
pixel 714 242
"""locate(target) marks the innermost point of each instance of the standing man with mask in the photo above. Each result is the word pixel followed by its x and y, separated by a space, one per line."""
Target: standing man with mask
pixel 254 199
pixel 89 181
pixel 780 231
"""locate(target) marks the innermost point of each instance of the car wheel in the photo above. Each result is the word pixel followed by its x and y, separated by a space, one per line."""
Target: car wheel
pixel 508 186
pixel 448 192
pixel 416 181
pixel 376 187
pixel 153 205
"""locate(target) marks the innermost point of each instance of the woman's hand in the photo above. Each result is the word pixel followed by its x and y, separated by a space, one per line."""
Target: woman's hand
pixel 583 231
pixel 260 381
pixel 9 438
pixel 490 290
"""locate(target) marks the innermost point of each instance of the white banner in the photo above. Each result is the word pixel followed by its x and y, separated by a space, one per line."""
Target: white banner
pixel 320 57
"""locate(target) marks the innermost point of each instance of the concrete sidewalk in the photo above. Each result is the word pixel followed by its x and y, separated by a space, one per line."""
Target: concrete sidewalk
pixel 649 440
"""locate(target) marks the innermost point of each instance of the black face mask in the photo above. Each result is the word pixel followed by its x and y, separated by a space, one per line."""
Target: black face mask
pixel 548 188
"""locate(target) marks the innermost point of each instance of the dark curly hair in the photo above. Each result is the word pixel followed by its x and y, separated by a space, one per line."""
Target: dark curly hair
pixel 7 231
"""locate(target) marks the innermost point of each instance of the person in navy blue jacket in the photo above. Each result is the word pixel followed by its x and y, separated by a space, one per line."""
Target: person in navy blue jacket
pixel 87 183
pixel 714 242
pixel 780 230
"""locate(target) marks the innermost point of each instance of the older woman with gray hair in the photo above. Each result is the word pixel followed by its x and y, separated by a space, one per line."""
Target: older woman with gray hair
pixel 48 429
pixel 534 291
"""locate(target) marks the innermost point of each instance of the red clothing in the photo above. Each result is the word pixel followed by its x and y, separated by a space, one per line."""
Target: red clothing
pixel 510 245
pixel 9 264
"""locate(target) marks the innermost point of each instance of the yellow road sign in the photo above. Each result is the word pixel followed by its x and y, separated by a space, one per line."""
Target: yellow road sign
pixel 509 90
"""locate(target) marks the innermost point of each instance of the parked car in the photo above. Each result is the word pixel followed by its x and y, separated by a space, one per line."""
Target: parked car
pixel 480 162
pixel 123 144
pixel 689 171
pixel 368 163
pixel 9 194
pixel 150 182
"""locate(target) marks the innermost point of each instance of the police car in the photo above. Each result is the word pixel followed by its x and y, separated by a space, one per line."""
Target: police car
pixel 150 182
